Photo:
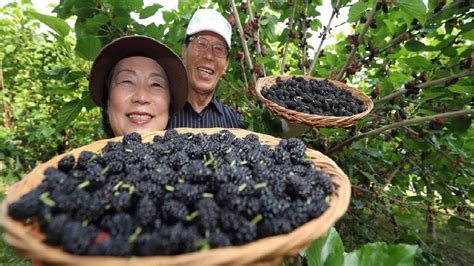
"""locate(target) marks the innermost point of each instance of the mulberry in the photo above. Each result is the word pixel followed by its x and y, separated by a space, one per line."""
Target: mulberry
pixel 179 194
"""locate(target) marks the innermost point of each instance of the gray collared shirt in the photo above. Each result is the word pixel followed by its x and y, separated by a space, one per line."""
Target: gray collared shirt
pixel 215 114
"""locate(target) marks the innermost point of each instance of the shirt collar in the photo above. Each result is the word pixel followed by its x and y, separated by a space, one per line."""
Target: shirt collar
pixel 217 104
pixel 214 101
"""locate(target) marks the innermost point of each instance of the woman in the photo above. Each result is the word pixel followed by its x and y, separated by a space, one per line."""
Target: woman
pixel 139 83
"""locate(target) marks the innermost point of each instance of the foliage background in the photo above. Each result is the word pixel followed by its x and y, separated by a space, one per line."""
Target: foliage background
pixel 409 161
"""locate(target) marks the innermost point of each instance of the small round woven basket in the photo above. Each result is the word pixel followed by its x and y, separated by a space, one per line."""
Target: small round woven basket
pixel 270 250
pixel 318 121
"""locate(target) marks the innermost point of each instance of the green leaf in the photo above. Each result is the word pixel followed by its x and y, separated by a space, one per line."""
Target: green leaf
pixel 56 73
pixel 415 198
pixel 460 124
pixel 461 89
pixel 380 253
pixel 430 94
pixel 467 30
pixel 468 26
pixel 368 175
pixel 445 43
pixel 468 35
pixel 135 4
pixel 450 51
pixel 69 111
pixel 391 26
pixel 270 33
pixel 418 61
pixel 62 90
pixel 131 5
pixel 58 25
pixel 73 76
pixel 356 11
pixel 416 46
pixel 454 222
pixel 326 251
pixel 414 9
pixel 88 47
pixel 154 31
pixel 88 102
pixel 97 21
pixel 120 22
pixel 168 16
pixel 150 11
pixel 332 59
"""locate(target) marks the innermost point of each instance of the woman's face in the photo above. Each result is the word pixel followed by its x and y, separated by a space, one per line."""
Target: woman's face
pixel 139 96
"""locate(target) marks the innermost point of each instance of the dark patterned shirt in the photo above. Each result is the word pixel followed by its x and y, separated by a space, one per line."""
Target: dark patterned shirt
pixel 215 114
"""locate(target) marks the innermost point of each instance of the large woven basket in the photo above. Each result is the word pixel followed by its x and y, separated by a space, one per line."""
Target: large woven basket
pixel 270 250
pixel 309 119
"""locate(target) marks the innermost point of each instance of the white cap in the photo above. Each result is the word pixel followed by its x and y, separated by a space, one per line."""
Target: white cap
pixel 210 20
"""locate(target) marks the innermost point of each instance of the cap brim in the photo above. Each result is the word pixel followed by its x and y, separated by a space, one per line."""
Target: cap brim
pixel 140 46
pixel 204 28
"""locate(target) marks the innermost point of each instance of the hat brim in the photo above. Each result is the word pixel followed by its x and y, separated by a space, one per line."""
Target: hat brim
pixel 140 46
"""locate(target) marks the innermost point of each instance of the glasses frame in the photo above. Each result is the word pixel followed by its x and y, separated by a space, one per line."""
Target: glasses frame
pixel 197 37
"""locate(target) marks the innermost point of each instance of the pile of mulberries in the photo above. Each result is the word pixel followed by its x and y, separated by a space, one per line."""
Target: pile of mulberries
pixel 179 193
pixel 317 97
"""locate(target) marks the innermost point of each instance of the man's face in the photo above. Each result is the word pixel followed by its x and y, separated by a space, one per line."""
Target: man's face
pixel 139 96
pixel 204 68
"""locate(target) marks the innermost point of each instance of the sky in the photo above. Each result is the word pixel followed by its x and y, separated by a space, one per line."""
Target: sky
pixel 46 6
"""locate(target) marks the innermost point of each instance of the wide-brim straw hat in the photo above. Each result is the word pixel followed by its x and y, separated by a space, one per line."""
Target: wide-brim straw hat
pixel 138 45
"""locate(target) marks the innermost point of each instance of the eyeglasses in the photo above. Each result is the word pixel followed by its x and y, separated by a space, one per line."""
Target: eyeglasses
pixel 201 44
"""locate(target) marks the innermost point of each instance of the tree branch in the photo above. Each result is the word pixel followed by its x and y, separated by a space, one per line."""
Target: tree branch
pixel 304 41
pixel 290 27
pixel 257 36
pixel 391 176
pixel 245 74
pixel 449 45
pixel 435 15
pixel 425 85
pixel 242 39
pixel 443 80
pixel 400 124
pixel 249 8
pixel 401 37
pixel 410 204
pixel 359 40
pixel 323 38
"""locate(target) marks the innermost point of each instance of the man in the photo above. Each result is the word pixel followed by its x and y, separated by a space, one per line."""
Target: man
pixel 205 53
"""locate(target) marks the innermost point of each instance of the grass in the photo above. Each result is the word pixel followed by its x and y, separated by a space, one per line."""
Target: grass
pixel 455 244
pixel 8 256
pixel 452 245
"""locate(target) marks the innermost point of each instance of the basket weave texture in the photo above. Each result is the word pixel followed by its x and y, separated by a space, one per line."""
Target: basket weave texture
pixel 311 120
pixel 270 250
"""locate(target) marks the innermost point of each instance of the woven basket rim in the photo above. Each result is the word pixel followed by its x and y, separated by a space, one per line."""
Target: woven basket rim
pixel 268 249
pixel 311 119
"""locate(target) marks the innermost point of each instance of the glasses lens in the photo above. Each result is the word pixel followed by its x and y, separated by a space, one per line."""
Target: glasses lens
pixel 201 44
pixel 219 50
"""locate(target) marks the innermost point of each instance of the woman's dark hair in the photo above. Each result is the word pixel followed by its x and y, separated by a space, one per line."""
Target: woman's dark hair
pixel 105 102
